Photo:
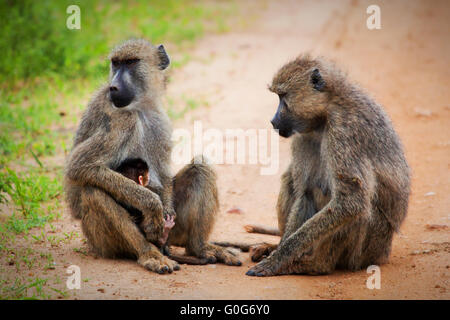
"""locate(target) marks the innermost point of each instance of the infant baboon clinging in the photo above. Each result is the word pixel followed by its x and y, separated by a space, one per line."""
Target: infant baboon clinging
pixel 137 170
pixel 125 120
pixel 346 190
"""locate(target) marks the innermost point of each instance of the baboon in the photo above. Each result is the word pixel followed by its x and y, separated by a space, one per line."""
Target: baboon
pixel 137 170
pixel 125 120
pixel 346 189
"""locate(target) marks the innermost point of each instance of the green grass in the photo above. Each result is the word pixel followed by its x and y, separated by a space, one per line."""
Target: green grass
pixel 29 288
pixel 22 283
pixel 188 104
pixel 29 193
pixel 47 72
pixel 35 41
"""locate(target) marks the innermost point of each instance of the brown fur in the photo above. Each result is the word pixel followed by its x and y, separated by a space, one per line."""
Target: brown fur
pixel 133 169
pixel 193 226
pixel 106 137
pixel 346 190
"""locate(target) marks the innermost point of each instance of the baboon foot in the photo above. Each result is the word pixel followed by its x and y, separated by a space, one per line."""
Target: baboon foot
pixel 261 251
pixel 159 265
pixel 213 254
pixel 266 268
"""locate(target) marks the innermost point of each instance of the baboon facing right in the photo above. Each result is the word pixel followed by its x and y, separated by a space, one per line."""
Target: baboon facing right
pixel 346 190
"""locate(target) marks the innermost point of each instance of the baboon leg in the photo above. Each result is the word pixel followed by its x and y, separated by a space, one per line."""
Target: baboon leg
pixel 286 200
pixel 378 244
pixel 302 209
pixel 188 259
pixel 258 251
pixel 74 200
pixel 320 260
pixel 343 249
pixel 244 247
pixel 182 259
pixel 196 205
pixel 111 232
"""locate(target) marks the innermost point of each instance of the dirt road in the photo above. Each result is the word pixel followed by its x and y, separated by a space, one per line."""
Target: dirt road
pixel 405 66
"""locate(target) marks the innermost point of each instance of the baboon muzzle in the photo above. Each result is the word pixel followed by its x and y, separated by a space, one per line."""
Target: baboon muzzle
pixel 120 92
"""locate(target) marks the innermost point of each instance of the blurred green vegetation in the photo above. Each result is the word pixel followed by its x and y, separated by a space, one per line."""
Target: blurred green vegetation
pixel 34 40
pixel 46 74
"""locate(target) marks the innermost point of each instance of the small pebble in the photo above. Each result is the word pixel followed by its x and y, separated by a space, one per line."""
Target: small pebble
pixel 236 210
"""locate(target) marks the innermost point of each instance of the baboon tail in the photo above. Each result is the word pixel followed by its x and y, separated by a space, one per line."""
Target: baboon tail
pixel 251 228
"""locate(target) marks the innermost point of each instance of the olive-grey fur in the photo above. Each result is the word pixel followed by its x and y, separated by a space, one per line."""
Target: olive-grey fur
pixel 109 135
pixel 347 187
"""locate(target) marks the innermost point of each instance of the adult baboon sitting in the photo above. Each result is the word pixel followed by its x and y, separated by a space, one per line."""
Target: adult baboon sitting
pixel 125 120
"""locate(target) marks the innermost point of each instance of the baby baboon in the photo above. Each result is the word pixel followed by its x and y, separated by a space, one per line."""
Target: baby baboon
pixel 125 120
pixel 137 170
pixel 346 190
pixel 193 226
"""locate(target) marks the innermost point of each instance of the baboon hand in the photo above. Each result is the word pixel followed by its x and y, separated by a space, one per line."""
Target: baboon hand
pixel 266 268
pixel 168 224
pixel 169 212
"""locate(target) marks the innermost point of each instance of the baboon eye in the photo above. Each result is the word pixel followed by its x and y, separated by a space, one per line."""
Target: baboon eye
pixel 115 62
pixel 282 97
pixel 130 61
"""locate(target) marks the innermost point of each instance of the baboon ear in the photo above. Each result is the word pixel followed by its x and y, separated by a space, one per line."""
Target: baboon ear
pixel 317 80
pixel 164 60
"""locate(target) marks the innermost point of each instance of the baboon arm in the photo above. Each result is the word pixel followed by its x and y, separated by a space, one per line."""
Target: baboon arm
pixel 128 191
pixel 167 196
pixel 353 186
pixel 353 182
pixel 342 209
pixel 88 168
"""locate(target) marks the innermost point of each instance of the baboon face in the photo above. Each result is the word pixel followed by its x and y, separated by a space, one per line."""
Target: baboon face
pixel 302 98
pixel 136 68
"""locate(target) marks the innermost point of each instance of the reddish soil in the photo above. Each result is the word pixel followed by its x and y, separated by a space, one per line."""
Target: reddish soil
pixel 405 66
